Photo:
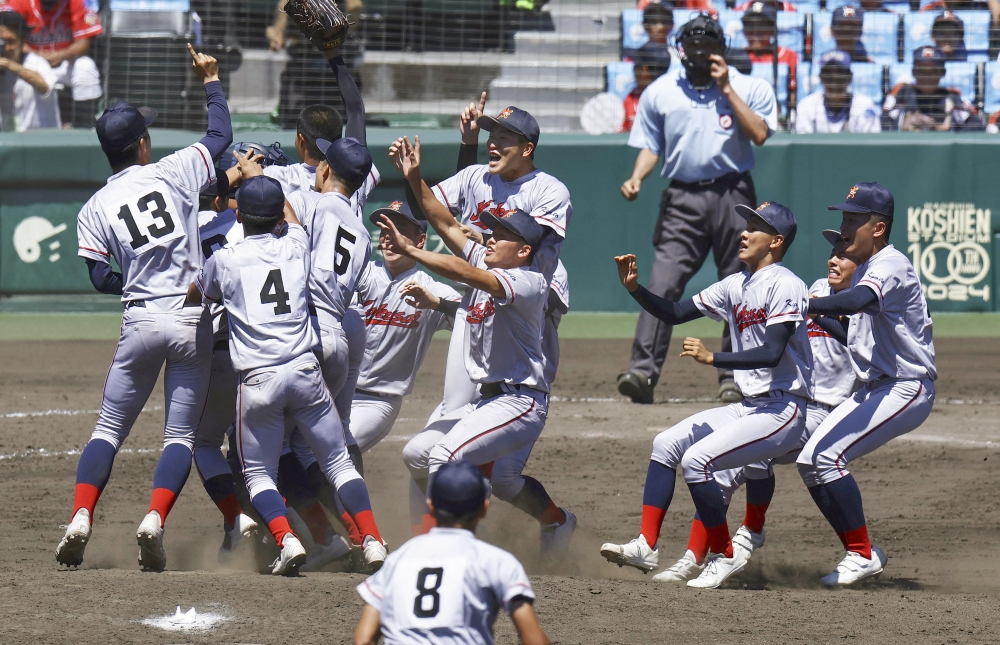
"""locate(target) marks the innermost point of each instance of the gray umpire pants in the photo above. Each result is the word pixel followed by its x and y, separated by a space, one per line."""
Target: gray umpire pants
pixel 694 219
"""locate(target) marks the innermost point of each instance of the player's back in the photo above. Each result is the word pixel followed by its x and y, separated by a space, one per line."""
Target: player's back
pixel 262 281
pixel 833 374
pixel 340 246
pixel 444 587
pixel 147 218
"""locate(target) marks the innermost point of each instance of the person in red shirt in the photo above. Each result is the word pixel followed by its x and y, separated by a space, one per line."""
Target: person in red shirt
pixel 777 5
pixel 650 62
pixel 60 33
pixel 759 28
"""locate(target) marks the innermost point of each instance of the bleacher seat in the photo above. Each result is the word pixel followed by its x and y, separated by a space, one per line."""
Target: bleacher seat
pixel 148 18
pixel 894 7
pixel 766 72
pixel 924 3
pixel 791 29
pixel 879 36
pixel 992 99
pixel 917 29
pixel 866 79
pixel 621 79
pixel 806 6
pixel 960 75
pixel 633 35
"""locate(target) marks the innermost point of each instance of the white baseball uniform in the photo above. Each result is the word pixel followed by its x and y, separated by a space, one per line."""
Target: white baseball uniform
pixel 892 350
pixel 769 421
pixel 444 588
pixel 146 217
pixel 262 283
pixel 503 348
pixel 301 176
pixel 398 336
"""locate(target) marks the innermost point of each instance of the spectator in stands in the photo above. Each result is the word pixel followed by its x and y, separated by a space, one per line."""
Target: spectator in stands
pixel 61 31
pixel 761 31
pixel 925 105
pixel 845 25
pixel 650 62
pixel 955 5
pixel 777 5
pixel 834 109
pixel 948 34
pixel 993 125
pixel 27 82
pixel 658 21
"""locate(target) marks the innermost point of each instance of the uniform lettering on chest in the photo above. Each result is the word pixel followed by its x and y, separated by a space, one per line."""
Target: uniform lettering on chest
pixel 746 317
pixel 497 210
pixel 479 313
pixel 382 315
pixel 815 331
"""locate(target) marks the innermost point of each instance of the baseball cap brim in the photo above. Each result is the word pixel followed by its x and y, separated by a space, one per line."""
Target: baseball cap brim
pixel 376 215
pixel 488 123
pixel 493 222
pixel 746 212
pixel 852 208
pixel 148 115
pixel 832 236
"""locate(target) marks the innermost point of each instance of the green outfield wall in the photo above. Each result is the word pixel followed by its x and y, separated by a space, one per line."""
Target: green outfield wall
pixel 946 187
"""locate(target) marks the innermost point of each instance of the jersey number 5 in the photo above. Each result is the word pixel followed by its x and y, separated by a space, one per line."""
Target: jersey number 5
pixel 274 292
pixel 341 254
pixel 420 608
pixel 158 212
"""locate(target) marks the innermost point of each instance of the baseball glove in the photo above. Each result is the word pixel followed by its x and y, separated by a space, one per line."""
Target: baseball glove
pixel 321 21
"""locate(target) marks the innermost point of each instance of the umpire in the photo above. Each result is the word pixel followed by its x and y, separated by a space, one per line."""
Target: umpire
pixel 701 118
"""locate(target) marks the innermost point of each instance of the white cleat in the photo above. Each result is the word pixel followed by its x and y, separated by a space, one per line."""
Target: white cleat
pixel 69 553
pixel 375 554
pixel 325 554
pixel 244 529
pixel 556 537
pixel 682 570
pixel 856 567
pixel 635 553
pixel 718 569
pixel 748 541
pixel 152 557
pixel 291 558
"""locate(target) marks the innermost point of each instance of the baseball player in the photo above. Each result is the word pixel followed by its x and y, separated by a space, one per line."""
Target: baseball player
pixel 702 118
pixel 891 345
pixel 262 283
pixel 402 308
pixel 147 219
pixel 833 382
pixel 447 586
pixel 765 305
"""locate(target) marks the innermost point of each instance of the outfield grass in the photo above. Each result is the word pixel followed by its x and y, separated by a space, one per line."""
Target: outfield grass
pixel 105 326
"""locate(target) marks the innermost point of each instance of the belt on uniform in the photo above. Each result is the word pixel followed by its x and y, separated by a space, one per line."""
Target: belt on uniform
pixel 142 303
pixel 378 395
pixel 221 345
pixel 490 390
pixel 731 177
pixel 825 406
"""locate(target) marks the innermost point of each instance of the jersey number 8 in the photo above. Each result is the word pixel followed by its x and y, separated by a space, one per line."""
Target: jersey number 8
pixel 420 608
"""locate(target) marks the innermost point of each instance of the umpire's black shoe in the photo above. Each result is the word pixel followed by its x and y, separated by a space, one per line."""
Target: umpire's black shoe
pixel 636 387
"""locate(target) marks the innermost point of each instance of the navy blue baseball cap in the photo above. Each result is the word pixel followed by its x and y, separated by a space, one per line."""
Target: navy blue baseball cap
pixel 833 236
pixel 836 57
pixel 261 196
pixel 517 222
pixel 846 13
pixel 458 487
pixel 398 208
pixel 761 11
pixel 928 56
pixel 513 119
pixel 867 197
pixel 348 157
pixel 121 124
pixel 779 217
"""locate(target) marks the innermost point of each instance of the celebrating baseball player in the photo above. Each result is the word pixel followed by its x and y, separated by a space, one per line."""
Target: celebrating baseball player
pixel 833 382
pixel 262 283
pixel 892 350
pixel 447 586
pixel 147 219
pixel 765 305
pixel 402 308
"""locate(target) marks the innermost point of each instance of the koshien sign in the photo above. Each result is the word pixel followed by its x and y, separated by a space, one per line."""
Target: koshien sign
pixel 949 244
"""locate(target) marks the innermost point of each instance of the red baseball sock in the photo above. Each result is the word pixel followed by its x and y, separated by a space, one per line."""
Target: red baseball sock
pixel 366 526
pixel 279 529
pixel 698 541
pixel 552 515
pixel 857 541
pixel 719 540
pixel 652 519
pixel 230 507
pixel 754 518
pixel 317 522
pixel 353 531
pixel 86 496
pixel 162 501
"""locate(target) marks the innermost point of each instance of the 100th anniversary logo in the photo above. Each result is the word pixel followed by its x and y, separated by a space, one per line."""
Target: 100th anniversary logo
pixel 949 244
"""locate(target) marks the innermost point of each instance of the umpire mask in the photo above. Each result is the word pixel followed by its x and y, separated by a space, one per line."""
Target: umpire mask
pixel 699 39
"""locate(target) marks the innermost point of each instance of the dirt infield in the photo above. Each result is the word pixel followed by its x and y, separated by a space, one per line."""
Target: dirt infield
pixel 930 499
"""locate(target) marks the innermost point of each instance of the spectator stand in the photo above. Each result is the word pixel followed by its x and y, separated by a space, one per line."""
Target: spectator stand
pixel 791 29
pixel 917 33
pixel 866 78
pixel 620 78
pixel 962 76
pixel 880 36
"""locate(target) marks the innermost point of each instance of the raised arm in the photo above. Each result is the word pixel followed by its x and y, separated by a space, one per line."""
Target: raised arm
pixel 751 124
pixel 220 125
pixel 31 77
pixel 351 96
pixel 468 151
pixel 406 158
pixel 672 313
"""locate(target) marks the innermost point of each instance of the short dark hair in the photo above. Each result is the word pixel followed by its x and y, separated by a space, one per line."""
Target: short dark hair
pixel 256 224
pixel 447 518
pixel 657 13
pixel 127 156
pixel 879 217
pixel 15 22
pixel 319 122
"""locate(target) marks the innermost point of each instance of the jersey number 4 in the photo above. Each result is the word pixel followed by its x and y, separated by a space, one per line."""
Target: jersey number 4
pixel 427 604
pixel 274 292
pixel 154 204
